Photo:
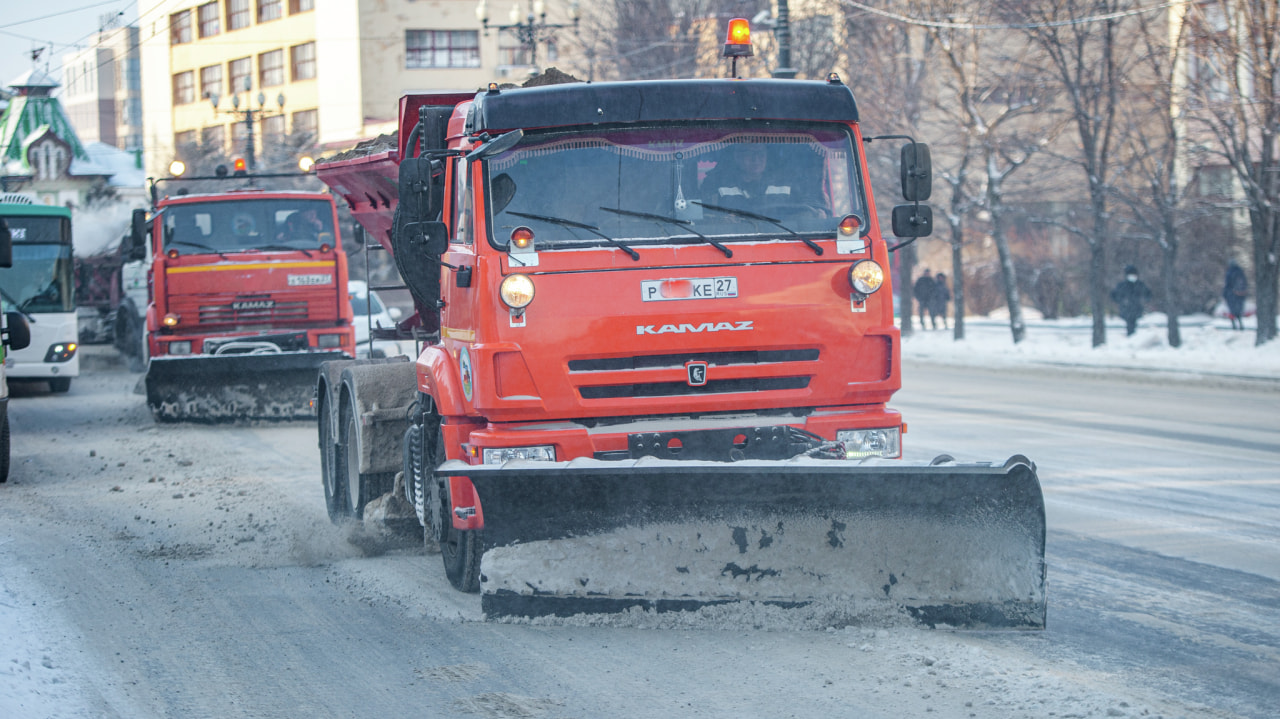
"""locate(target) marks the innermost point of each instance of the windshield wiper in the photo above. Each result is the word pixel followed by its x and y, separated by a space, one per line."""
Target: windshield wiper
pixel 753 216
pixel 581 225
pixel 196 245
pixel 685 224
pixel 286 248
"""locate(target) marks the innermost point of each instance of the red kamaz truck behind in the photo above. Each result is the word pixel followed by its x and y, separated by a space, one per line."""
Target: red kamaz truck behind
pixel 247 297
pixel 661 349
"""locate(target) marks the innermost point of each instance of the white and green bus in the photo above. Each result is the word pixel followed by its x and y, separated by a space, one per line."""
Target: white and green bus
pixel 40 284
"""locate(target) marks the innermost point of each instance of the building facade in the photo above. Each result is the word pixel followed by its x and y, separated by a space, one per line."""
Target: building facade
pixel 334 70
pixel 102 90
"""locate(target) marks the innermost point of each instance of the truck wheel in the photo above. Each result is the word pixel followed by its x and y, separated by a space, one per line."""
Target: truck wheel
pixel 356 488
pixel 334 501
pixel 60 384
pixel 460 548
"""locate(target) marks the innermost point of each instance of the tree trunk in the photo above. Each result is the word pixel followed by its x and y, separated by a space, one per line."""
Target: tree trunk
pixel 1266 264
pixel 1169 286
pixel 906 304
pixel 1098 291
pixel 957 279
pixel 995 205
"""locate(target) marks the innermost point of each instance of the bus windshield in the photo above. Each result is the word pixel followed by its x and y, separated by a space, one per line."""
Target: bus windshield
pixel 41 278
pixel 245 225
pixel 675 183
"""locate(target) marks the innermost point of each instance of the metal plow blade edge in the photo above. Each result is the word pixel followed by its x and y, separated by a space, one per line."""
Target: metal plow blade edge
pixel 227 388
pixel 956 544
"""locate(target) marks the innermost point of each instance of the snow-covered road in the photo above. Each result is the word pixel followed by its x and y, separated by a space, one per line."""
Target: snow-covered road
pixel 154 571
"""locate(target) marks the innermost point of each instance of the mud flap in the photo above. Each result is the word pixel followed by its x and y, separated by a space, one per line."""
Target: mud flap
pixel 225 388
pixel 849 543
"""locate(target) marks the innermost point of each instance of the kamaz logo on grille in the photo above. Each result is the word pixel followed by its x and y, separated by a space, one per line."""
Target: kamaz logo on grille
pixel 253 305
pixel 697 373
pixel 687 327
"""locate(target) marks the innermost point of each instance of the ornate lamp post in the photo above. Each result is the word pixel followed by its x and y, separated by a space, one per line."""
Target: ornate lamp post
pixel 533 29
pixel 249 115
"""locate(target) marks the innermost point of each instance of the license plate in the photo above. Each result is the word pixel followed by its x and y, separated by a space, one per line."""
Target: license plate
pixel 304 280
pixel 695 288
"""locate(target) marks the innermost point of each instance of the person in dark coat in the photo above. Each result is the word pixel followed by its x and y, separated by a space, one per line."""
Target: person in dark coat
pixel 923 293
pixel 941 297
pixel 1234 291
pixel 1131 297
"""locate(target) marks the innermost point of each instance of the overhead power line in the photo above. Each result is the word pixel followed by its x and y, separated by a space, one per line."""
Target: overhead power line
pixel 1009 26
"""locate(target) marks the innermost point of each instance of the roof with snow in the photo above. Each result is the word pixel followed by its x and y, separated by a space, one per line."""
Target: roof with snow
pixel 32 114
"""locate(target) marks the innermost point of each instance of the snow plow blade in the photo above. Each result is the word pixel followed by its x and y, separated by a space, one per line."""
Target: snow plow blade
pixel 849 543
pixel 226 388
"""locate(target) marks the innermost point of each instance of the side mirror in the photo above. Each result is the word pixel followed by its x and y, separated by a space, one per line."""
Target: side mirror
pixel 416 191
pixel 138 236
pixel 6 244
pixel 912 220
pixel 917 172
pixel 17 333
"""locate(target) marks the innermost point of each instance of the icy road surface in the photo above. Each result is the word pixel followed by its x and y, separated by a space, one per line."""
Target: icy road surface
pixel 185 571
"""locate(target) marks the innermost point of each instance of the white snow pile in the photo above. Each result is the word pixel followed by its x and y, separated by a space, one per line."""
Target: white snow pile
pixel 1209 346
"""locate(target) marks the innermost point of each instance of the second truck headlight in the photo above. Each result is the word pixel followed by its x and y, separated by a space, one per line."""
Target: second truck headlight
pixel 866 276
pixel 862 443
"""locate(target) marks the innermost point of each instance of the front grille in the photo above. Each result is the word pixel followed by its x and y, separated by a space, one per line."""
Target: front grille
pixel 720 359
pixel 280 312
pixel 674 389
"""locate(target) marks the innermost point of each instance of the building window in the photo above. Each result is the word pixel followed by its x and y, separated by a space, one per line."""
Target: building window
pixel 183 142
pixel 303 59
pixel 297 6
pixel 180 28
pixel 210 81
pixel 184 88
pixel 306 121
pixel 210 23
pixel 271 68
pixel 241 73
pixel 442 48
pixel 214 139
pixel 238 14
pixel 270 10
pixel 273 127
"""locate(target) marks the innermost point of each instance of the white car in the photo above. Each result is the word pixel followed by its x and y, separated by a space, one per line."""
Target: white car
pixel 368 310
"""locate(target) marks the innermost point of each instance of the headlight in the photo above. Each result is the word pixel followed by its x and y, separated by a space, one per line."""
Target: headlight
pixel 861 443
pixel 328 341
pixel 61 352
pixel 866 276
pixel 498 455
pixel 180 348
pixel 516 291
pixel 171 320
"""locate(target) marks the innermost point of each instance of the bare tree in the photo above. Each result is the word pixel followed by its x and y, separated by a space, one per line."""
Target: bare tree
pixel 1234 83
pixel 1081 40
pixel 1154 121
pixel 989 87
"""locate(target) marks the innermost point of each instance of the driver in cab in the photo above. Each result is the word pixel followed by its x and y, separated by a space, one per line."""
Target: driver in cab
pixel 741 180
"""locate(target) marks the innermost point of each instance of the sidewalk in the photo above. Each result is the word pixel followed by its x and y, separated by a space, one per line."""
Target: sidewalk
pixel 1210 348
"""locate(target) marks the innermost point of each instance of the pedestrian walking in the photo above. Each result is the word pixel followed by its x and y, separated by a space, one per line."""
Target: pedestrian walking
pixel 1234 291
pixel 1131 297
pixel 923 293
pixel 941 297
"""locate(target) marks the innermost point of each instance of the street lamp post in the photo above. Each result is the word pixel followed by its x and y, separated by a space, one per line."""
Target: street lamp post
pixel 533 29
pixel 249 115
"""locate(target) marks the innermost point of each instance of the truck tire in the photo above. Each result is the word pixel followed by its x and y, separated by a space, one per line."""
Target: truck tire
pixel 358 489
pixel 334 501
pixel 460 549
pixel 60 384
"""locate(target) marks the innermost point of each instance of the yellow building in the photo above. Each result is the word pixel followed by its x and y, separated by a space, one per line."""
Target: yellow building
pixel 333 68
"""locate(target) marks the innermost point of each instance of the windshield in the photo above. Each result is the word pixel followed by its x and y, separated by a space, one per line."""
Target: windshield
pixel 243 225
pixel 360 306
pixel 41 277
pixel 675 183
